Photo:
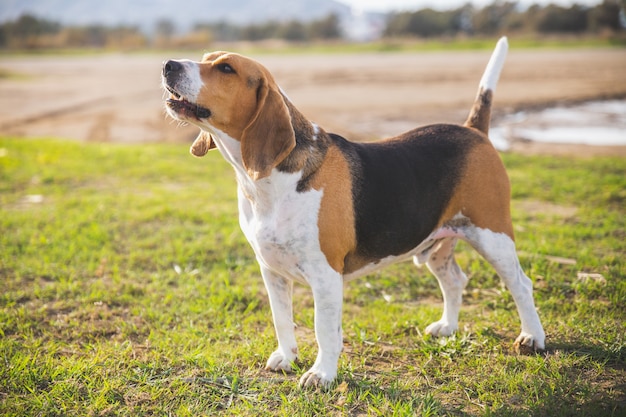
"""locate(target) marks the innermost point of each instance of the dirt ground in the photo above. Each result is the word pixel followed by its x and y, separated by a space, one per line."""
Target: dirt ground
pixel 117 97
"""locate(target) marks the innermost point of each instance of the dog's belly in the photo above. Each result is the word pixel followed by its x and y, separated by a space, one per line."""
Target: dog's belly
pixel 420 253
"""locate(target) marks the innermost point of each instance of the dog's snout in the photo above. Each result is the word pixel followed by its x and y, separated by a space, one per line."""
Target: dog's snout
pixel 171 66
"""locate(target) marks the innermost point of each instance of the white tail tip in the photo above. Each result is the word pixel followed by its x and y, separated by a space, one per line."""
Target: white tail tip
pixel 494 67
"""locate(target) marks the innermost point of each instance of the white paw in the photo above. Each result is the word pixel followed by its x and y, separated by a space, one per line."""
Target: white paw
pixel 279 361
pixel 527 343
pixel 441 328
pixel 316 377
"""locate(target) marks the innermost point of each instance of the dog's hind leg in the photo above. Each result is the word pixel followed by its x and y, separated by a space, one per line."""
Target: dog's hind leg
pixel 452 282
pixel 499 250
pixel 280 290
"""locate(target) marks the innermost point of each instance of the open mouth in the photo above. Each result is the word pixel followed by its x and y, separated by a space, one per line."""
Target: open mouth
pixel 181 106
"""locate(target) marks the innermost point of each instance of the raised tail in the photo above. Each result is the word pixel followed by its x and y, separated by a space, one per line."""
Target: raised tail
pixel 480 114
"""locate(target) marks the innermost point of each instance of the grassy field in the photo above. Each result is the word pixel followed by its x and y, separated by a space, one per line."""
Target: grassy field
pixel 436 44
pixel 126 288
pixel 341 47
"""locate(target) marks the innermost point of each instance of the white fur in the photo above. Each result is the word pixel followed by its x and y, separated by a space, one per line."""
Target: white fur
pixel 285 240
pixel 452 282
pixel 499 250
pixel 190 86
pixel 491 75
pixel 316 130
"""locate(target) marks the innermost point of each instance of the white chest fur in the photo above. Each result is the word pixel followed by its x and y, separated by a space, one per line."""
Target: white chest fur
pixel 281 225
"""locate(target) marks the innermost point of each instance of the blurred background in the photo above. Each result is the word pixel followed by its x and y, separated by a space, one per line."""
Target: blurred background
pixel 90 70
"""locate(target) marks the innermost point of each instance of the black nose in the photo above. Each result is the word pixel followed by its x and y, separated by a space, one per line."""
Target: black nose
pixel 171 66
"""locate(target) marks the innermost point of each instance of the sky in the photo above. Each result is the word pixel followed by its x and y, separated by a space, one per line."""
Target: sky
pixel 389 5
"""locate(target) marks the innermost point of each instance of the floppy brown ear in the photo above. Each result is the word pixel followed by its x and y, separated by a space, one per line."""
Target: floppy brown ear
pixel 203 143
pixel 270 137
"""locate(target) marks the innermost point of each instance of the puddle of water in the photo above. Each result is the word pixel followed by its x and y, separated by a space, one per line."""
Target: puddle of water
pixel 599 123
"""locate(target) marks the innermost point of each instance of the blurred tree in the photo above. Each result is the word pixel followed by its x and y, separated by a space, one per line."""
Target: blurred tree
pixel 325 28
pixel 259 32
pixel 554 18
pixel 293 31
pixel 125 37
pixel 84 36
pixel 606 16
pixel 221 31
pixel 424 23
pixel 464 16
pixel 29 25
pixel 25 31
pixel 503 15
pixel 491 18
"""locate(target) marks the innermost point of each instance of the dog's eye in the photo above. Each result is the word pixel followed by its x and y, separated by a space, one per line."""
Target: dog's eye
pixel 226 69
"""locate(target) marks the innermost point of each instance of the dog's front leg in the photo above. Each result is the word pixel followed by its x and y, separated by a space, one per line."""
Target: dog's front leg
pixel 328 298
pixel 280 291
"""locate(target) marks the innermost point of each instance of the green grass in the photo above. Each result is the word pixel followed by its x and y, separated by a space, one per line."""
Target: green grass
pixel 126 288
pixel 409 45
pixel 432 45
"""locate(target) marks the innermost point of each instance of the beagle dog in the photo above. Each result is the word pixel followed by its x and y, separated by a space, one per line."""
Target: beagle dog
pixel 321 210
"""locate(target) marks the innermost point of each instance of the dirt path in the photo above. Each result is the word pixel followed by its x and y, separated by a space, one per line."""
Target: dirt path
pixel 117 97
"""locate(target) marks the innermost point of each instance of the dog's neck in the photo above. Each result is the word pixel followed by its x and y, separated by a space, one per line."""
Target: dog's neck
pixel 295 171
pixel 311 146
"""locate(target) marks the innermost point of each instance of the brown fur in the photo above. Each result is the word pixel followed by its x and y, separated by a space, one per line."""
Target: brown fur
pixel 336 216
pixel 203 144
pixel 484 192
pixel 480 114
pixel 258 117
pixel 269 137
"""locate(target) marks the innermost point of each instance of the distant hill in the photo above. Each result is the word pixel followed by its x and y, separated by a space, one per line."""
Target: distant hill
pixel 183 13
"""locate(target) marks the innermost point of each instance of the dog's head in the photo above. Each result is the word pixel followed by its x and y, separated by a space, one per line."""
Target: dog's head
pixel 227 93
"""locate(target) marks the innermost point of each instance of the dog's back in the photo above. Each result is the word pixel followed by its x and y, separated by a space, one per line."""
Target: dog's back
pixel 420 175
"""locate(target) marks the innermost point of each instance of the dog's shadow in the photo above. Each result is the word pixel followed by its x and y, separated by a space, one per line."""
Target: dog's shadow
pixel 578 378
pixel 612 356
pixel 592 379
